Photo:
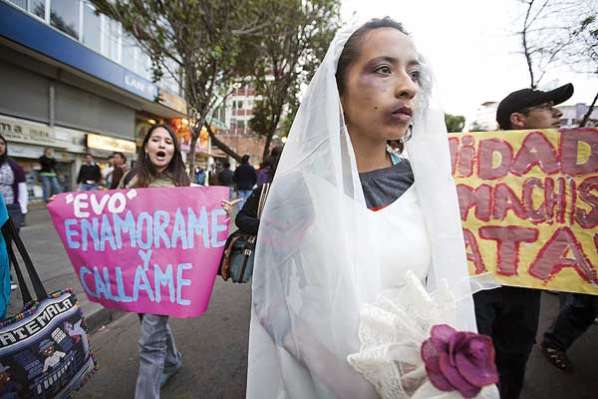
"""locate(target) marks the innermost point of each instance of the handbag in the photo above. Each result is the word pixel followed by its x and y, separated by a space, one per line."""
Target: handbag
pixel 239 252
pixel 44 349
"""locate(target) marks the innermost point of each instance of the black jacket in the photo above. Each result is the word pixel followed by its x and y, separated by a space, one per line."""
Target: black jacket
pixel 246 219
pixel 89 173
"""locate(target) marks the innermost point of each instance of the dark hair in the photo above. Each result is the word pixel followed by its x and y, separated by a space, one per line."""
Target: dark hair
pixel 351 52
pixel 175 171
pixel 352 47
pixel 4 157
pixel 120 154
pixel 245 159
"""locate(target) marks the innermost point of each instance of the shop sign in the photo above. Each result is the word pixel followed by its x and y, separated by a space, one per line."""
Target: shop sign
pixel 18 130
pixel 142 86
pixel 173 101
pixel 37 134
pixel 98 142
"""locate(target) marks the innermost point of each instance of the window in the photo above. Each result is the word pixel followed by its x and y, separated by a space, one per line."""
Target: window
pixel 111 46
pixel 92 28
pixel 38 8
pixel 64 16
pixel 19 3
pixel 129 52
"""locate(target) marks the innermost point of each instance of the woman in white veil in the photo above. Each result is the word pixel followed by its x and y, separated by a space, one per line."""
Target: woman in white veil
pixel 322 256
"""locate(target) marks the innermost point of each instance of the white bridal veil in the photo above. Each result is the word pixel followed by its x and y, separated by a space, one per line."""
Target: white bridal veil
pixel 317 259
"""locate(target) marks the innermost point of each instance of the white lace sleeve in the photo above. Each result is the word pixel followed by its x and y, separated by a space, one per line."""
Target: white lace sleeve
pixel 391 332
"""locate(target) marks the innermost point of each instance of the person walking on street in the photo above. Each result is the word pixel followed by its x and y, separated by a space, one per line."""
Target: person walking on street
pixel 48 175
pixel 200 176
pixel 244 178
pixel 160 165
pixel 13 186
pixel 119 165
pixel 90 176
pixel 225 176
pixel 510 314
pixel 573 321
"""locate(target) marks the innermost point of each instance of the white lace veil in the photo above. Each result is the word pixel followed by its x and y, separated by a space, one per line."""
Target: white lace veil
pixel 316 262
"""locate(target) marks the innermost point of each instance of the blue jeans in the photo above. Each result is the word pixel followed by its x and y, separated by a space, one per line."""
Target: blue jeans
pixel 87 187
pixel 157 353
pixel 50 186
pixel 243 195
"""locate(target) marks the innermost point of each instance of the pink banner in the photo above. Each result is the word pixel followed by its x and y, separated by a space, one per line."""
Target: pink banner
pixel 151 250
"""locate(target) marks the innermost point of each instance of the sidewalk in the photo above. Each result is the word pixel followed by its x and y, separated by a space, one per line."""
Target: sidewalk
pixel 54 267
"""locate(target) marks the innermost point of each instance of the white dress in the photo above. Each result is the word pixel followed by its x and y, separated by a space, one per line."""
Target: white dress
pixel 402 245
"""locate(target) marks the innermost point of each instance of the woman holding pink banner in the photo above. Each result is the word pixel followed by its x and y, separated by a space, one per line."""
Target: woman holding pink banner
pixel 159 165
pixel 361 287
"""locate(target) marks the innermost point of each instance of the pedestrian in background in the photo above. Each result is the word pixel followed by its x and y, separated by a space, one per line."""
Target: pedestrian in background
pixel 48 175
pixel 244 178
pixel 225 176
pixel 247 219
pixel 14 190
pixel 160 164
pixel 13 186
pixel 90 176
pixel 119 168
pixel 200 176
pixel 510 314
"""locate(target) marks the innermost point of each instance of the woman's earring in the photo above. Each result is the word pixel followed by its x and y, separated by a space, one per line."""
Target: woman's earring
pixel 407 136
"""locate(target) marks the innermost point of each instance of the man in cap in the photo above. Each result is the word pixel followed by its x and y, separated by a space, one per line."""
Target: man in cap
pixel 532 109
pixel 510 314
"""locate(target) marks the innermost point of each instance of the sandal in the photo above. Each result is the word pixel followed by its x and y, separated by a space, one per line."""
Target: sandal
pixel 557 358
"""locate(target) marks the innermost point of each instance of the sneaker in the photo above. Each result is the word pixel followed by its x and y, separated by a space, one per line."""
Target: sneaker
pixel 167 373
pixel 13 286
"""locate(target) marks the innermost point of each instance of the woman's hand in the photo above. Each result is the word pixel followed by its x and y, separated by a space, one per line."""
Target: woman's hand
pixel 228 206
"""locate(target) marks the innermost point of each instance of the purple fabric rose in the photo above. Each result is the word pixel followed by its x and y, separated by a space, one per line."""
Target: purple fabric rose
pixel 459 360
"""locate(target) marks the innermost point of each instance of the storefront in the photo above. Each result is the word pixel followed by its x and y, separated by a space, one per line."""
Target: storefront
pixel 27 141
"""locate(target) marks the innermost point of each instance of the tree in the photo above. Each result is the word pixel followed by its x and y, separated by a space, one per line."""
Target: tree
pixel 454 123
pixel 195 42
pixel 560 32
pixel 584 51
pixel 286 54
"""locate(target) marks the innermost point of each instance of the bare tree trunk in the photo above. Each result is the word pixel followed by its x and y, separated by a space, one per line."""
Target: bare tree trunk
pixel 221 145
pixel 267 146
pixel 586 117
pixel 526 49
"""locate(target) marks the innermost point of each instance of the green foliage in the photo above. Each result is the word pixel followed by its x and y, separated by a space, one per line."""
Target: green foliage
pixel 195 42
pixel 285 56
pixel 210 45
pixel 454 123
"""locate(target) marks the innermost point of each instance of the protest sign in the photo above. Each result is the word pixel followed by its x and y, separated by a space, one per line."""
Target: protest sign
pixel 529 206
pixel 149 250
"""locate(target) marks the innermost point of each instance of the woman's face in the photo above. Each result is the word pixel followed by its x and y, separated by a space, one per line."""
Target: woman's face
pixel 160 149
pixel 380 86
pixel 2 147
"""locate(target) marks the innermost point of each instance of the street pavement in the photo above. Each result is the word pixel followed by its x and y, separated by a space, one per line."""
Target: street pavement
pixel 214 346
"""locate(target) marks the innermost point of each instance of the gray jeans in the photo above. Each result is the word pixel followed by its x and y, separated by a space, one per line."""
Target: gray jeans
pixel 157 353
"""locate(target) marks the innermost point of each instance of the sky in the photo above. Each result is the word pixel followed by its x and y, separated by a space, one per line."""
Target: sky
pixel 472 48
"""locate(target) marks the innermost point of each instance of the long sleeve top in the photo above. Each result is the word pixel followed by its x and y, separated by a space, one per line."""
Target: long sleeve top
pixel 247 220
pixel 89 173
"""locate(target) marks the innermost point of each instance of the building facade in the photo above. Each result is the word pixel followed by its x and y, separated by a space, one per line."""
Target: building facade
pixel 74 81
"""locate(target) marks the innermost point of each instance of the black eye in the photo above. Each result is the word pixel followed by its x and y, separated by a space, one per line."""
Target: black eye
pixel 384 70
